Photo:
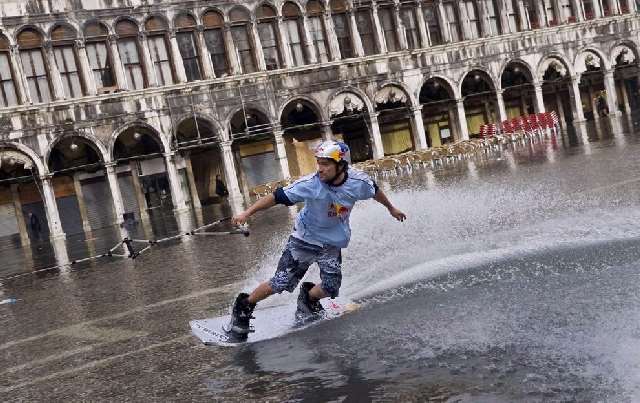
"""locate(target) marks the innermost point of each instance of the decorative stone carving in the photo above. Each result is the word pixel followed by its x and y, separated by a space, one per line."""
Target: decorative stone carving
pixel 555 65
pixel 622 55
pixel 13 157
pixel 390 95
pixel 346 103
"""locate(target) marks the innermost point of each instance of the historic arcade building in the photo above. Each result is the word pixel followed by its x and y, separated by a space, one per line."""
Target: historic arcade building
pixel 111 108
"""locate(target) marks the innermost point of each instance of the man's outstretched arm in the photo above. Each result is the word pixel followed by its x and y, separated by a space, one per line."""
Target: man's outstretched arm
pixel 381 198
pixel 263 203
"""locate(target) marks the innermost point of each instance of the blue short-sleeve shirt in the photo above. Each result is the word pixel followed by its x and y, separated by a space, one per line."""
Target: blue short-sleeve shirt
pixel 324 220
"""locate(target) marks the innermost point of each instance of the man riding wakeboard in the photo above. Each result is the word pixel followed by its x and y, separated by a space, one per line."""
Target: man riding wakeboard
pixel 321 230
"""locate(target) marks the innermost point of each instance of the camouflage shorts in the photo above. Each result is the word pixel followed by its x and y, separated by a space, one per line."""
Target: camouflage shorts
pixel 295 261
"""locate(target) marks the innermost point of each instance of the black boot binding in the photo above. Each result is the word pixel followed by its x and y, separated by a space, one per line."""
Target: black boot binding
pixel 241 315
pixel 308 310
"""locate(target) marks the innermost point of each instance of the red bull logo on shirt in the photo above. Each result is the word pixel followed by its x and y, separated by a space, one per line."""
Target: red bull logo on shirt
pixel 338 210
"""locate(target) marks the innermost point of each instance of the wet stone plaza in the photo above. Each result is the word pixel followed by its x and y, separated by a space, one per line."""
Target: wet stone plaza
pixel 515 278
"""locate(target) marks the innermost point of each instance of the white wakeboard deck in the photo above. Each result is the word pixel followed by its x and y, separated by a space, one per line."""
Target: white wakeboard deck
pixel 269 323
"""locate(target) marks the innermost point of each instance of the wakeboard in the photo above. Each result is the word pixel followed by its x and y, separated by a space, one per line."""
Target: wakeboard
pixel 269 323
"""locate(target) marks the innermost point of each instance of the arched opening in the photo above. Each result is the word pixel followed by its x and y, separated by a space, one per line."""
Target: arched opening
pixel 187 43
pixel 267 31
pixel 240 31
pixel 592 86
pixel 626 70
pixel 318 30
pixel 302 134
pixel 157 31
pixel 480 101
pixel 199 146
pixel 342 28
pixel 394 118
pixel 216 45
pixel 438 112
pixel 294 33
pixel 254 149
pixel 98 50
pixel 34 65
pixel 518 92
pixel 556 87
pixel 349 115
pixel 63 43
pixel 129 50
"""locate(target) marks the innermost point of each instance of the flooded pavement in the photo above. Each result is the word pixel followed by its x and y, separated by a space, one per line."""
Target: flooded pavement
pixel 515 278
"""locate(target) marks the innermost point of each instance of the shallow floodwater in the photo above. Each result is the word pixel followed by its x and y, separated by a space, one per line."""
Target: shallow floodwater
pixel 515 278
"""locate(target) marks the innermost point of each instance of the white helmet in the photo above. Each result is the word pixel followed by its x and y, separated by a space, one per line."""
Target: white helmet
pixel 335 150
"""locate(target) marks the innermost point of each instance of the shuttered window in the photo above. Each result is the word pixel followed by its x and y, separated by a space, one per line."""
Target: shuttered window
pixel 433 24
pixel 8 95
pixel 36 75
pixel 269 41
pixel 160 59
pixel 214 40
pixel 472 15
pixel 68 68
pixel 494 17
pixel 244 48
pixel 388 22
pixel 451 16
pixel 100 64
pixel 365 29
pixel 317 31
pixel 189 53
pixel 130 58
pixel 292 28
pixel 410 22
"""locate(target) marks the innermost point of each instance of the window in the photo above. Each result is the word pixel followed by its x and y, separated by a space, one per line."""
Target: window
pixel 293 31
pixel 607 8
pixel 33 65
pixel 494 17
pixel 8 95
pixel 127 33
pixel 268 38
pixel 452 18
pixel 62 40
pixel 365 28
pixel 342 28
pixel 388 22
pixel 624 6
pixel 532 11
pixel 317 30
pixel 214 39
pixel 433 24
pixel 240 32
pixel 566 11
pixel 99 56
pixel 513 15
pixel 472 15
pixel 185 24
pixel 550 12
pixel 410 22
pixel 157 30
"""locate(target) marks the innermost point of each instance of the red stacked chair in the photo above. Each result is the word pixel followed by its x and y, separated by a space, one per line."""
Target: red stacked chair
pixel 507 129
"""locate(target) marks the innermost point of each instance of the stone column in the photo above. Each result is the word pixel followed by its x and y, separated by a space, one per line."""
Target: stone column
pixel 625 97
pixel 193 188
pixel 283 44
pixel 137 186
pixel 327 132
pixel 85 68
pixel 205 58
pixel 425 41
pixel 258 53
pixel 177 196
pixel 116 195
pixel 82 206
pixel 539 105
pixel 417 129
pixel 281 153
pixel 453 126
pixel 561 114
pixel 593 104
pixel 181 74
pixel 148 68
pixel 376 137
pixel 56 79
pixel 612 95
pixel 462 120
pixel 53 217
pixel 231 175
pixel 578 112
pixel 358 49
pixel 232 56
pixel 118 68
pixel 400 28
pixel 378 31
pixel 21 80
pixel 502 110
pixel 22 225
pixel 334 47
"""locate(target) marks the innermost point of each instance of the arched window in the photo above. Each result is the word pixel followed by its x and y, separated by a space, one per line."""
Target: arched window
pixel 452 17
pixel 186 37
pixel 531 8
pixel 294 31
pixel 493 13
pixel 8 94
pixel 99 55
pixel 566 11
pixel 157 31
pixel 607 10
pixel 430 13
pixel 239 17
pixel 473 17
pixel 389 28
pixel 513 15
pixel 128 48
pixel 624 6
pixel 410 22
pixel 214 38
pixel 342 27
pixel 267 28
pixel 317 30
pixel 550 12
pixel 33 64
pixel 63 40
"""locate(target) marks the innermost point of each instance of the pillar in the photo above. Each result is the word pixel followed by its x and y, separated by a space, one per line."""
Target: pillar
pixel 612 95
pixel 85 68
pixel 462 120
pixel 193 189
pixel 625 96
pixel 56 79
pixel 82 206
pixel 422 27
pixel 21 79
pixel 561 114
pixel 232 55
pixel 230 173
pixel 118 68
pixel 502 110
pixel 592 103
pixel 578 112
pixel 453 127
pixel 377 28
pixel 181 74
pixel 327 132
pixel 334 47
pixel 205 58
pixel 116 195
pixel 258 53
pixel 417 128
pixel 177 195
pixel 376 137
pixel 281 153
pixel 355 35
pixel 539 102
pixel 137 186
pixel 51 208
pixel 22 225
pixel 149 71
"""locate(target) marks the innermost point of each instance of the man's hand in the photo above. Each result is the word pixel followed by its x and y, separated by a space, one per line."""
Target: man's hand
pixel 241 218
pixel 397 214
